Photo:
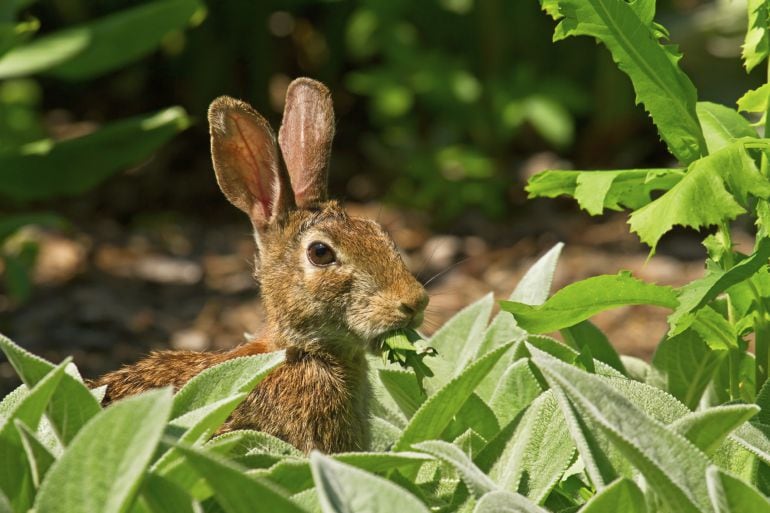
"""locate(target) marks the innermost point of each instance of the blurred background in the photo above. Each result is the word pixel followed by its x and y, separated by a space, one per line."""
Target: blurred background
pixel 115 240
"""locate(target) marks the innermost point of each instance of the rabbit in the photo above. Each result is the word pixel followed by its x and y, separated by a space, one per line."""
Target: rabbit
pixel 332 284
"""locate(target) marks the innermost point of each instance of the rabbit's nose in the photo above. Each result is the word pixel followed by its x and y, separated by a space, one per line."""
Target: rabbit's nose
pixel 414 305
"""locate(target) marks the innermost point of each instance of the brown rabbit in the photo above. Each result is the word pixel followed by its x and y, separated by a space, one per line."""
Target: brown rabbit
pixel 331 283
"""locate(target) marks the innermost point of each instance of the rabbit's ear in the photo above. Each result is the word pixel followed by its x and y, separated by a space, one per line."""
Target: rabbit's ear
pixel 246 160
pixel 306 139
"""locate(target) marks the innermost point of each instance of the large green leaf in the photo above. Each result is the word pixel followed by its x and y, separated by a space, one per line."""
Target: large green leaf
pixel 621 495
pixel 579 301
pixel 731 495
pixel 683 366
pixel 232 377
pixel 234 490
pixel 103 467
pixel 633 40
pixel 516 389
pixel 599 190
pixel 71 406
pixel 586 335
pixel 100 46
pixel 436 413
pixel 47 168
pixel 164 496
pixel 672 466
pixel 714 191
pixel 345 489
pixel 38 456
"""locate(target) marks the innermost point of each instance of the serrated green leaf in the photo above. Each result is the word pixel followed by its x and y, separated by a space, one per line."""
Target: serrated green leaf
pixel 38 456
pixel 99 46
pixel 756 47
pixel 430 420
pixel 236 376
pixel 620 495
pixel 698 293
pixel 707 429
pixel 755 100
pixel 732 495
pixel 345 489
pixel 47 168
pixel 16 481
pixel 476 481
pixel 722 125
pixel 628 188
pixel 102 468
pixel 702 197
pixel 234 490
pixel 672 466
pixel 540 452
pixel 683 366
pixel 634 42
pixel 506 502
pixel 579 301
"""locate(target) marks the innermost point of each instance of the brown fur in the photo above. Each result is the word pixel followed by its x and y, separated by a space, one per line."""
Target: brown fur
pixel 324 317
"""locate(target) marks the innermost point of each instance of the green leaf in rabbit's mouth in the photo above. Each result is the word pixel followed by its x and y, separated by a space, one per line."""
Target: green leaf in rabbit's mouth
pixel 407 348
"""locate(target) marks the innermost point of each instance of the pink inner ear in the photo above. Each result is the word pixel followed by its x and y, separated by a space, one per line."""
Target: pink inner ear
pixel 256 162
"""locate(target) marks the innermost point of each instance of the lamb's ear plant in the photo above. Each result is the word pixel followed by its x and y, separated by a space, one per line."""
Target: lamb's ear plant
pixel 505 418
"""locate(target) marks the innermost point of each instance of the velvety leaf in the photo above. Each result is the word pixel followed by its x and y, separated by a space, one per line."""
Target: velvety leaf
pixel 236 376
pixel 506 502
pixel 430 420
pixel 579 301
pixel 457 342
pixel 476 481
pixel 99 46
pixel 707 429
pixel 71 406
pixel 47 168
pixel 103 466
pixel 517 388
pixel 16 480
pixel 164 496
pixel 234 490
pixel 731 495
pixel 621 495
pixel 539 453
pixel 475 415
pixel 38 456
pixel 672 466
pixel 403 389
pixel 345 489
pixel 634 42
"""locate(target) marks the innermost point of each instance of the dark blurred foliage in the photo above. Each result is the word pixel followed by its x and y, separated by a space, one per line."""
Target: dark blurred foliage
pixel 441 104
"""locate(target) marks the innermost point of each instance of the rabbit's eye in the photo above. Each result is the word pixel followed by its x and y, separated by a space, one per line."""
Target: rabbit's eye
pixel 320 254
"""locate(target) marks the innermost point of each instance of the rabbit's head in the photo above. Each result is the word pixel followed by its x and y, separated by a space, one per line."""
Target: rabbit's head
pixel 327 278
